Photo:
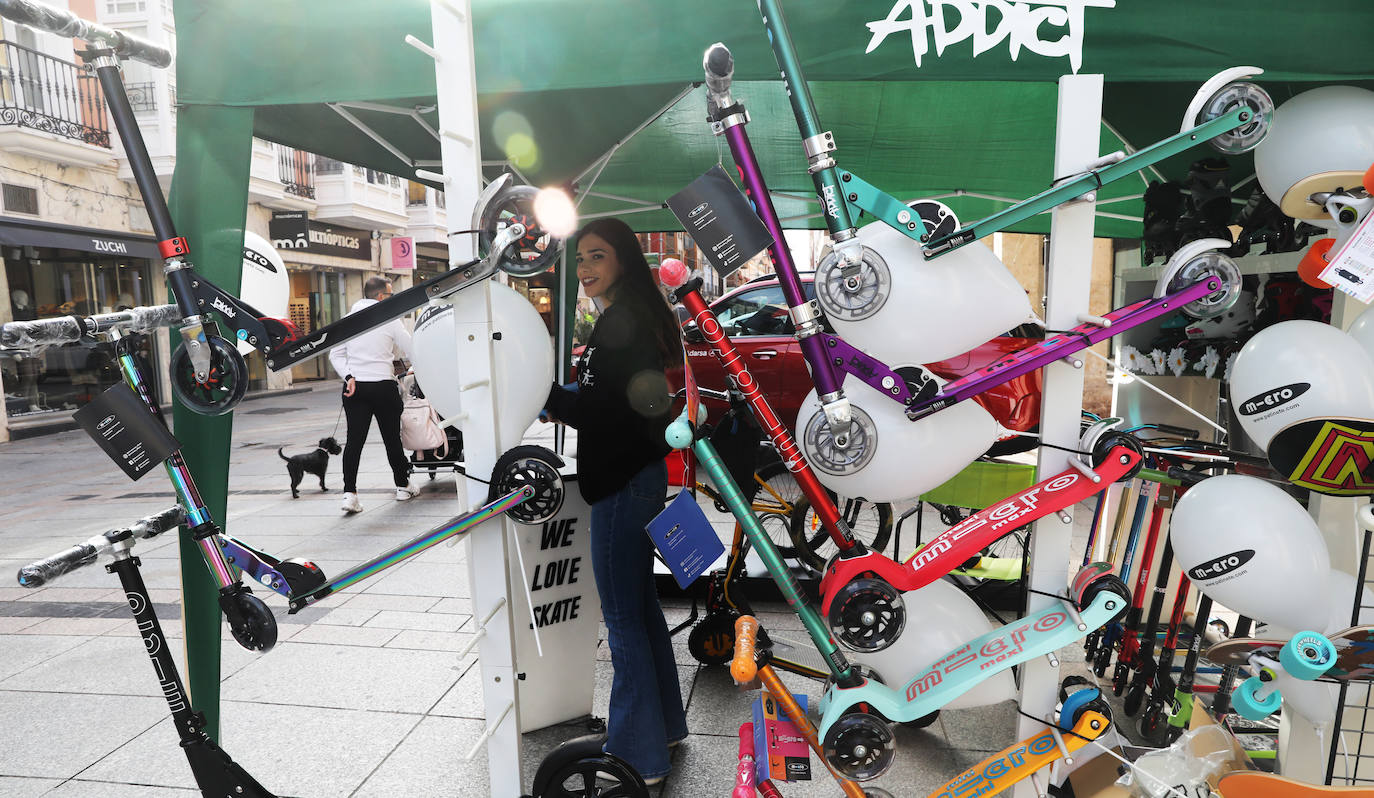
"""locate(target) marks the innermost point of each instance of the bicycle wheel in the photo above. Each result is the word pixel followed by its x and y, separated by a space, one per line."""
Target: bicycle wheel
pixel 871 523
pixel 777 500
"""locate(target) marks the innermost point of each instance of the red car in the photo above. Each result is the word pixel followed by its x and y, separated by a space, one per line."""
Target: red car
pixel 756 319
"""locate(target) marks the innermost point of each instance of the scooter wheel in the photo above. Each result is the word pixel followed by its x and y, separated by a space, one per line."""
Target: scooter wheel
pixel 1251 131
pixel 1249 705
pixel 531 254
pixel 856 296
pixel 1110 440
pixel 223 387
pixel 536 467
pixel 860 746
pixel 867 615
pixel 1110 583
pixel 257 630
pixel 1154 725
pixel 1211 263
pixel 1308 655
pixel 580 769
pixel 1135 696
pixel 712 639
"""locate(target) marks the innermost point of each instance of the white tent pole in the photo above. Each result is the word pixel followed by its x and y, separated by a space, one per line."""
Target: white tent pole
pixel 456 88
pixel 1068 273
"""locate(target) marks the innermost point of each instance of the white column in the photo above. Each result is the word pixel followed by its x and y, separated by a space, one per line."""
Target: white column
pixel 456 85
pixel 1067 283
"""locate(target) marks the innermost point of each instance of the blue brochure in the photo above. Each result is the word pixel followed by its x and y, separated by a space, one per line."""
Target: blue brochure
pixel 685 538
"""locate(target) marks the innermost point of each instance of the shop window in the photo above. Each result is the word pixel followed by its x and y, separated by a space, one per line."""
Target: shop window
pixel 415 193
pixel 20 199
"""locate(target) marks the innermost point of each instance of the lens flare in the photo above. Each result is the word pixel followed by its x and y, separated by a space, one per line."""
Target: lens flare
pixel 555 212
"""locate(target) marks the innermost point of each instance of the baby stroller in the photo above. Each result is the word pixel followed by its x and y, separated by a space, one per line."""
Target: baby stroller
pixel 420 429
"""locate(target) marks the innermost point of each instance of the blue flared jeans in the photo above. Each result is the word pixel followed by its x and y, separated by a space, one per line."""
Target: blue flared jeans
pixel 646 700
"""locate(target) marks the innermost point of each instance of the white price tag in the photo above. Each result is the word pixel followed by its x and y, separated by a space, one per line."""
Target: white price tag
pixel 1352 267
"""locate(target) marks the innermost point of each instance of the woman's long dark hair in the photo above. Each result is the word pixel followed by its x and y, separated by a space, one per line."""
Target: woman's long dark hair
pixel 636 286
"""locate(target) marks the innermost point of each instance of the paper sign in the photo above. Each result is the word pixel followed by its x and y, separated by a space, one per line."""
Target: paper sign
pixel 781 752
pixel 402 252
pixel 685 538
pixel 720 220
pixel 1352 268
pixel 119 422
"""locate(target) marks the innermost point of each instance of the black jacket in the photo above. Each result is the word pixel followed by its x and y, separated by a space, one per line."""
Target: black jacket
pixel 621 407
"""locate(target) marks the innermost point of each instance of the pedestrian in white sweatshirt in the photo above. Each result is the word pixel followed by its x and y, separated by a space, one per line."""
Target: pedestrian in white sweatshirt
pixel 370 390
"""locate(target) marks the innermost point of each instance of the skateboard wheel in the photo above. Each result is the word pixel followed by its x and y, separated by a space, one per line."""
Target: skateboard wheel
pixel 1252 131
pixel 1248 702
pixel 867 615
pixel 860 746
pixel 1110 583
pixel 1314 263
pixel 1308 655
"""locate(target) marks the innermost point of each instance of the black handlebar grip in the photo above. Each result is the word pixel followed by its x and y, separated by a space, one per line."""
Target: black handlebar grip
pixel 37 574
pixel 683 290
pixel 1188 478
pixel 1182 432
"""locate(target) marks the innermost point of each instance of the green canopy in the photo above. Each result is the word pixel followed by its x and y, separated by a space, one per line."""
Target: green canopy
pixel 561 83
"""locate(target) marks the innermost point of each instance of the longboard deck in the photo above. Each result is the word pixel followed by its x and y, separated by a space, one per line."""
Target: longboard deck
pixel 1354 653
pixel 1329 455
pixel 1252 784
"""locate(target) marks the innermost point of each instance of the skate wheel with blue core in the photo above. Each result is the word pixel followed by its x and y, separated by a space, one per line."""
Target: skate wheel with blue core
pixel 1075 704
pixel 1308 655
pixel 679 434
pixel 1251 131
pixel 1248 702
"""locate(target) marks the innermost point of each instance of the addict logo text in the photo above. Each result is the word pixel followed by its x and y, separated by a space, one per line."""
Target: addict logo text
pixel 1272 399
pixel 223 307
pixel 1051 28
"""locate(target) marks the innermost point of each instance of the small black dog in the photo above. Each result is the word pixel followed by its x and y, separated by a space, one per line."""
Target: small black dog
pixel 316 462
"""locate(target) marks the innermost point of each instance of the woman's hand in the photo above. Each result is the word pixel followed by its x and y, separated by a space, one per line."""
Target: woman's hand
pixel 350 385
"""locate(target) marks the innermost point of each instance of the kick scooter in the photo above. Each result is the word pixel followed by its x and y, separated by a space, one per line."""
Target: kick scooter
pixel 855 282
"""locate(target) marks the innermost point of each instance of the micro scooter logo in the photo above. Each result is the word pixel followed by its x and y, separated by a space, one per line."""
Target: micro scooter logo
pixel 985 780
pixel 1016 22
pixel 1272 399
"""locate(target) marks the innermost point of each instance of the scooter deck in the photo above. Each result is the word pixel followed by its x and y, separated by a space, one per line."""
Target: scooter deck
pixel 1354 653
pixel 1329 455
pixel 953 547
pixel 1041 632
pixel 1253 784
pixel 1059 346
pixel 1019 760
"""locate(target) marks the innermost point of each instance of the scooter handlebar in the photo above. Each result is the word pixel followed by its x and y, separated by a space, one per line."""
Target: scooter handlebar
pixel 719 67
pixel 65 23
pixel 744 668
pixel 37 574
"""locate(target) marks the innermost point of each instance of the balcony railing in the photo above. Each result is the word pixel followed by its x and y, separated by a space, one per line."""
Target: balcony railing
pixel 142 96
pixel 296 170
pixel 45 93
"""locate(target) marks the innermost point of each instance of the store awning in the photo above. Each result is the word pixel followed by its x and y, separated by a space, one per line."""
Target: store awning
pixel 102 242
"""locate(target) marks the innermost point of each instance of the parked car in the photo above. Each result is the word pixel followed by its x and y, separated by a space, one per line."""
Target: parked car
pixel 755 318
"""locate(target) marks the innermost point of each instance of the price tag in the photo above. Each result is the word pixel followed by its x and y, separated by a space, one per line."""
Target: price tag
pixel 685 538
pixel 1352 267
pixel 720 220
pixel 119 422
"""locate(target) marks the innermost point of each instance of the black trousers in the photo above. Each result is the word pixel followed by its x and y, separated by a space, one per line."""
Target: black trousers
pixel 380 400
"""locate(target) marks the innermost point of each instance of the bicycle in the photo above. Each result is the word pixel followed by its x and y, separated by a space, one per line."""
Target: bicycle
pixel 855 283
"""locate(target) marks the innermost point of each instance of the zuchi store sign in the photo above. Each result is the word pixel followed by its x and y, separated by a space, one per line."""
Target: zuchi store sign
pixel 1051 28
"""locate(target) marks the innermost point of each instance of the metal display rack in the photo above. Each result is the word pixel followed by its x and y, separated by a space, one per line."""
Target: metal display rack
pixel 1351 759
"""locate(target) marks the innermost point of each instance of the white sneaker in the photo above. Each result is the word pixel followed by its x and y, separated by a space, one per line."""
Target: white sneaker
pixel 351 504
pixel 403 494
